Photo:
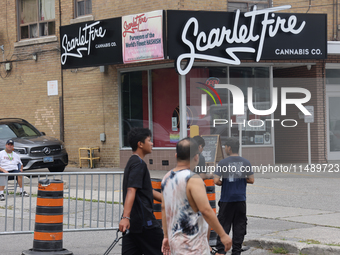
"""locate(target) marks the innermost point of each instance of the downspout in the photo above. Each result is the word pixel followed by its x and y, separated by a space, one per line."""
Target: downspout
pixel 61 98
pixel 337 24
pixel 333 21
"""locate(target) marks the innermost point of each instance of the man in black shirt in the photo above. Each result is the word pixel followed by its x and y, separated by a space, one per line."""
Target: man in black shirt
pixel 201 167
pixel 145 235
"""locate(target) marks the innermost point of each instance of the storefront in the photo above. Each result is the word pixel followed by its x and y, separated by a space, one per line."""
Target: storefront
pixel 171 75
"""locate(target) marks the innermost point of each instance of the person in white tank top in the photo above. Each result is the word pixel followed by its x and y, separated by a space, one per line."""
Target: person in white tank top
pixel 186 211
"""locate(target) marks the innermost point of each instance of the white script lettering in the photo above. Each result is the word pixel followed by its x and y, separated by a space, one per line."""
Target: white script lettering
pixel 243 35
pixel 81 43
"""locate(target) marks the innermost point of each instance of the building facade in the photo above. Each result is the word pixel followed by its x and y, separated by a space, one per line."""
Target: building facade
pixel 110 94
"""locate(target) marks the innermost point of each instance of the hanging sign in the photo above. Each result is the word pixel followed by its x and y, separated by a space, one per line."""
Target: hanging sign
pixel 142 37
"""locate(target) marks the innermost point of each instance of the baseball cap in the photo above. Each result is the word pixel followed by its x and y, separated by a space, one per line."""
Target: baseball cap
pixel 10 141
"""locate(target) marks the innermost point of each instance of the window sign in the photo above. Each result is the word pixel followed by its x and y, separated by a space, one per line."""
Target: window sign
pixel 309 118
pixel 142 37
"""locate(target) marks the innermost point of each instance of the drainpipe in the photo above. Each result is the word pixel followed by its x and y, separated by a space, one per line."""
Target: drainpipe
pixel 337 24
pixel 61 98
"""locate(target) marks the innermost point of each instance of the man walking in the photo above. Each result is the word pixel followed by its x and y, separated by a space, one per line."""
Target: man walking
pixel 10 163
pixel 186 211
pixel 236 173
pixel 145 235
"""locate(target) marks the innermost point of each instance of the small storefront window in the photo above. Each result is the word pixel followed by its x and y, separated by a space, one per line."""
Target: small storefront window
pixel 257 130
pixel 134 92
pixel 165 100
pixel 333 76
pixel 161 93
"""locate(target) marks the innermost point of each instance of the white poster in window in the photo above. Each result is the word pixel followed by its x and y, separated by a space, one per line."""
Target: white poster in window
pixel 174 124
pixel 266 138
pixel 52 88
pixel 258 139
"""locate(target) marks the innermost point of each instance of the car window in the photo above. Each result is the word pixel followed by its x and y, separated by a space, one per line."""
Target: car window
pixel 13 130
pixel 29 131
pixel 6 132
pixel 23 130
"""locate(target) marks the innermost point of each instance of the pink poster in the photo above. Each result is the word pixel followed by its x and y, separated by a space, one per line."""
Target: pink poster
pixel 142 37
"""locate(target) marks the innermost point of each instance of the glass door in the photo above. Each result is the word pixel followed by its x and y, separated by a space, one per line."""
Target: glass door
pixel 333 120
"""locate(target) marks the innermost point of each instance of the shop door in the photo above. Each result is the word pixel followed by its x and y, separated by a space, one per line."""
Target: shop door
pixel 333 120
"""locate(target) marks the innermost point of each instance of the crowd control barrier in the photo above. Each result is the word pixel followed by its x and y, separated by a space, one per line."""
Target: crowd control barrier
pixel 210 188
pixel 157 206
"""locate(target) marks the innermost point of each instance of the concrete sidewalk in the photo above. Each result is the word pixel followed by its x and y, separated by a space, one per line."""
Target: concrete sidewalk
pixel 299 214
pixel 303 219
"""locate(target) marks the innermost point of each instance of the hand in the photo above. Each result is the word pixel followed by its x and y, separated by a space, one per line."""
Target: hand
pixel 124 224
pixel 226 240
pixel 166 247
pixel 210 176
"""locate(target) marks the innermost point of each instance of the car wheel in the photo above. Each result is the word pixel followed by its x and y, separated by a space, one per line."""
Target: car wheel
pixel 57 169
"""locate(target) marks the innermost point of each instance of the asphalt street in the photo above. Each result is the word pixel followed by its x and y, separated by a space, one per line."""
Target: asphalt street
pixel 298 213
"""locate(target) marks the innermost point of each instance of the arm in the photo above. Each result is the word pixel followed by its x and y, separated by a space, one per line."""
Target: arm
pixel 3 170
pixel 250 179
pixel 199 195
pixel 217 180
pixel 165 244
pixel 157 195
pixel 129 200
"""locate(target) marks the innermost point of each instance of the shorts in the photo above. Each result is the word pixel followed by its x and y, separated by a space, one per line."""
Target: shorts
pixel 148 242
pixel 3 178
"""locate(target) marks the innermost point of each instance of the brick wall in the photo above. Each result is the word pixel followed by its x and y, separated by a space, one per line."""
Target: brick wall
pixel 91 97
pixel 320 6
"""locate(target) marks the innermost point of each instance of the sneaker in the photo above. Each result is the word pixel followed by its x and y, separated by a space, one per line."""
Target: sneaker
pixel 2 197
pixel 24 194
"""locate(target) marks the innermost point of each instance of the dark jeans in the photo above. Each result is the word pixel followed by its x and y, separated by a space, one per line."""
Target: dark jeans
pixel 149 242
pixel 233 214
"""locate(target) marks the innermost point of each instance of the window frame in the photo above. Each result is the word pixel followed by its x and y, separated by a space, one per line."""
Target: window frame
pixel 38 22
pixel 76 8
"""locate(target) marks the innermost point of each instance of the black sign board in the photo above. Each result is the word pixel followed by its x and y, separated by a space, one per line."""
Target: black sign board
pixel 92 43
pixel 212 151
pixel 229 37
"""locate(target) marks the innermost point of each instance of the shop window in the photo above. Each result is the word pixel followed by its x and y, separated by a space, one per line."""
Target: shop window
pixel 134 95
pixel 219 102
pixel 37 18
pixel 333 76
pixel 83 7
pixel 245 6
pixel 161 93
pixel 257 130
pixel 165 110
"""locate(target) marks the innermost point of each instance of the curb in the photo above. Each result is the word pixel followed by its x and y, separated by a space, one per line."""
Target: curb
pixel 294 247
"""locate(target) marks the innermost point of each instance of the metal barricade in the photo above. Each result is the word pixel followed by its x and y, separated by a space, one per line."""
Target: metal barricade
pixel 92 201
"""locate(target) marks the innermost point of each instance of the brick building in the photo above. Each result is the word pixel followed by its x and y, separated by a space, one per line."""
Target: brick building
pixel 110 98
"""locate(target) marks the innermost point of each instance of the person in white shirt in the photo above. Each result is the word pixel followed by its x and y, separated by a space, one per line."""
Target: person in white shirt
pixel 9 163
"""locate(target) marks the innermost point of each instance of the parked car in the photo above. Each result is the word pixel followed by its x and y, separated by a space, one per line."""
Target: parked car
pixel 35 149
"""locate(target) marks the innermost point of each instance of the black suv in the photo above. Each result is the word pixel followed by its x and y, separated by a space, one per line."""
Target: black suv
pixel 35 149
